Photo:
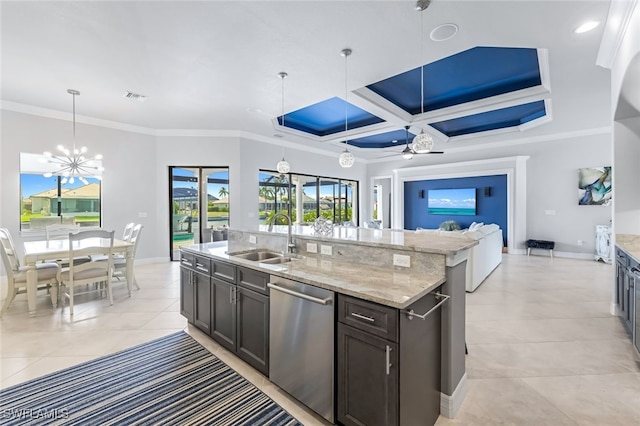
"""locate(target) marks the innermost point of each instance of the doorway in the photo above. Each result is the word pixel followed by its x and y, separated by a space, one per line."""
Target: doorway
pixel 199 204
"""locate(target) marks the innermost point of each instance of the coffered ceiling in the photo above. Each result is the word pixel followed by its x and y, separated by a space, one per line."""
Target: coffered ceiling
pixel 514 70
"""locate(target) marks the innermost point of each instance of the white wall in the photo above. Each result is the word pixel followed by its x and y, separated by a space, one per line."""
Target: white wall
pixel 136 180
pixel 627 176
pixel 551 184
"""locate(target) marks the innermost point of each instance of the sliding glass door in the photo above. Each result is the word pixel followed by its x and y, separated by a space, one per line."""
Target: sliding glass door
pixel 199 204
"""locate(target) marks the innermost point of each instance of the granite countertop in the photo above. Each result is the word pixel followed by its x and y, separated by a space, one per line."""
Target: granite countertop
pixel 630 243
pixel 388 286
pixel 385 238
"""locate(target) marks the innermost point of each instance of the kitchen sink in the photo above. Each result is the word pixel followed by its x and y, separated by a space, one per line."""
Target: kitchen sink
pixel 265 256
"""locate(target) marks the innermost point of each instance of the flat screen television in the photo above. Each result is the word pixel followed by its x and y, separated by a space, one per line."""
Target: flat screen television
pixel 457 201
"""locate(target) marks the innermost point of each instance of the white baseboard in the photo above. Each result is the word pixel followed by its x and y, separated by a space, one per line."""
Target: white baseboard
pixel 450 404
pixel 545 253
pixel 152 260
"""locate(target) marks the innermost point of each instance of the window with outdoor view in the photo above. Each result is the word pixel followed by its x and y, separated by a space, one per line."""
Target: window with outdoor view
pixel 305 198
pixel 49 200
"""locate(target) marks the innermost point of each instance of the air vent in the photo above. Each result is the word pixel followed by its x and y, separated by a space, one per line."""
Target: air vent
pixel 134 96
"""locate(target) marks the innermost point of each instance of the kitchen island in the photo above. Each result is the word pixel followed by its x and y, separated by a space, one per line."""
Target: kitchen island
pixel 378 304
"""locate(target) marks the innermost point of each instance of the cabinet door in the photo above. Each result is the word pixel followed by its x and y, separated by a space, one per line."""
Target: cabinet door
pixel 202 305
pixel 223 313
pixel 187 294
pixel 367 379
pixel 253 328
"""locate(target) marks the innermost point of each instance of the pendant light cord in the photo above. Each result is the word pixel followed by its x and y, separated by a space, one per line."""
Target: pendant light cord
pixel 422 65
pixel 74 123
pixel 346 103
pixel 282 76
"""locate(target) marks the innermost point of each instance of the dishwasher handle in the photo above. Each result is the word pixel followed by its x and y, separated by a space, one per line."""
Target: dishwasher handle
pixel 326 301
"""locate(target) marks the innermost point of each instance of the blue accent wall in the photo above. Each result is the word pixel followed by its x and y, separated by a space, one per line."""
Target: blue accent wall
pixel 489 209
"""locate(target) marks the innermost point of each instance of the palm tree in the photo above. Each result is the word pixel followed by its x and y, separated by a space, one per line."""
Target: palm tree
pixel 223 192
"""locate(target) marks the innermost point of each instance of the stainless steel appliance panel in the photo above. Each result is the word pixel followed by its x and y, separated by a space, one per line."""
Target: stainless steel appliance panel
pixel 635 300
pixel 301 343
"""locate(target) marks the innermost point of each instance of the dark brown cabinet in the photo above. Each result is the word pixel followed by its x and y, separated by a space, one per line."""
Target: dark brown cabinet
pixel 195 291
pixel 388 363
pixel 367 378
pixel 625 289
pixel 223 323
pixel 230 303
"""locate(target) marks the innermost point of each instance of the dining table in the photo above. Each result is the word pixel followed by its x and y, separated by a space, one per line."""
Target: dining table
pixel 40 250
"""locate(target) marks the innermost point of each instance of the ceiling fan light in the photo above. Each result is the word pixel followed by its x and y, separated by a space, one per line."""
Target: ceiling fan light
pixel 347 159
pixel 422 143
pixel 407 153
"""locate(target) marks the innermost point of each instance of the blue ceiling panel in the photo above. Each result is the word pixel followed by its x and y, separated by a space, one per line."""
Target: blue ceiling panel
pixel 492 120
pixel 467 76
pixel 383 140
pixel 327 117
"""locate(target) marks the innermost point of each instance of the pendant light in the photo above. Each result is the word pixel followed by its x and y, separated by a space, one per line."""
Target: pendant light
pixel 346 158
pixel 283 166
pixel 72 164
pixel 423 142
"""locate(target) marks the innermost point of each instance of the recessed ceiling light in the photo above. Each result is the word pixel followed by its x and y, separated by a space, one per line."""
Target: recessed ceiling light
pixel 443 32
pixel 255 110
pixel 587 26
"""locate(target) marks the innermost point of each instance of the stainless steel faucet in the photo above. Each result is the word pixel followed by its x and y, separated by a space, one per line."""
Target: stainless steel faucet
pixel 290 243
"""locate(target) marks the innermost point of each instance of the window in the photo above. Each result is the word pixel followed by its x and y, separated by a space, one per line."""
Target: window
pixel 305 198
pixel 44 201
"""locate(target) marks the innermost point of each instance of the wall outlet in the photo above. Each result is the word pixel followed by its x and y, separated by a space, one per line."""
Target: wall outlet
pixel 252 239
pixel 402 260
pixel 580 242
pixel 142 214
pixel 326 250
pixel 550 212
pixel 312 248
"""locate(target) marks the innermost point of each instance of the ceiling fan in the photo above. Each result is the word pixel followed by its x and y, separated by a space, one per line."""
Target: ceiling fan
pixel 408 152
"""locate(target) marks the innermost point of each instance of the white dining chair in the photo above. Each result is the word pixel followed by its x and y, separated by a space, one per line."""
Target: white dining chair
pixel 120 262
pixel 60 231
pixel 126 235
pixel 98 272
pixel 17 274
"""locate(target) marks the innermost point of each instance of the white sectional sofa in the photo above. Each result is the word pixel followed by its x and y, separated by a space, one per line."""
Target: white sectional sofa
pixel 483 258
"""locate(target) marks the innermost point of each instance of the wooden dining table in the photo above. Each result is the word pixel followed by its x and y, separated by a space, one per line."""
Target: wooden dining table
pixel 37 251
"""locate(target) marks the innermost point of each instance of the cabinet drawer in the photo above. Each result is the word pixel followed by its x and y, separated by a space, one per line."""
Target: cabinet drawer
pixel 202 264
pixel 253 280
pixel 368 316
pixel 223 270
pixel 187 259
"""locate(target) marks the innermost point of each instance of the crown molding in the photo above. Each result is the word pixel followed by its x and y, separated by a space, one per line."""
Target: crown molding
pixel 620 13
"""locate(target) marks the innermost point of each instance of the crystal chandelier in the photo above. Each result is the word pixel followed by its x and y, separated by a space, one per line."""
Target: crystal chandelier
pixel 346 158
pixel 423 142
pixel 283 166
pixel 72 164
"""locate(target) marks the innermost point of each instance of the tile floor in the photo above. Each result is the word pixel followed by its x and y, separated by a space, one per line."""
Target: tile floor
pixel 543 349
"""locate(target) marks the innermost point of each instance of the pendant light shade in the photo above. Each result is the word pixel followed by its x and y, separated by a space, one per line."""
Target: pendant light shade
pixel 283 166
pixel 422 143
pixel 347 159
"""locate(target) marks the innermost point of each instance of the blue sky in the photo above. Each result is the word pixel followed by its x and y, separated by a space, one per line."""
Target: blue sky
pixel 462 197
pixel 34 184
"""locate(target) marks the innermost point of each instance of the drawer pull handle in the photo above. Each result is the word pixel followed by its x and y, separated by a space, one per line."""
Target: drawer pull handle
pixel 201 267
pixel 364 317
pixel 186 262
pixel 443 297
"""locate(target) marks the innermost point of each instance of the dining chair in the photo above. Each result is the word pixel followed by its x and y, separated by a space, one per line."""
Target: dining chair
pixel 120 262
pixel 17 274
pixel 126 235
pixel 60 231
pixel 88 243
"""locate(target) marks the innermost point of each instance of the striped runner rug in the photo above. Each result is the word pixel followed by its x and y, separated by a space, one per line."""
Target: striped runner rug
pixel 169 381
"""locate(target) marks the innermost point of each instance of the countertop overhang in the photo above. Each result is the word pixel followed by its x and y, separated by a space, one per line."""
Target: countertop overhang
pixel 630 243
pixel 391 286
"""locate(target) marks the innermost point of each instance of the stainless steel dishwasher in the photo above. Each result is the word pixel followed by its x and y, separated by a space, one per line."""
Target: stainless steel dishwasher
pixel 301 360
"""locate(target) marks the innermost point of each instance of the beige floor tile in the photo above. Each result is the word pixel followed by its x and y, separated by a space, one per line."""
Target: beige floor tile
pixel 166 320
pixel 506 402
pixel 10 366
pixel 43 366
pixel 610 399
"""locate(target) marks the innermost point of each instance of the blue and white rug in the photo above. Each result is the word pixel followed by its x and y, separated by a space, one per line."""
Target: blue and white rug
pixel 169 381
